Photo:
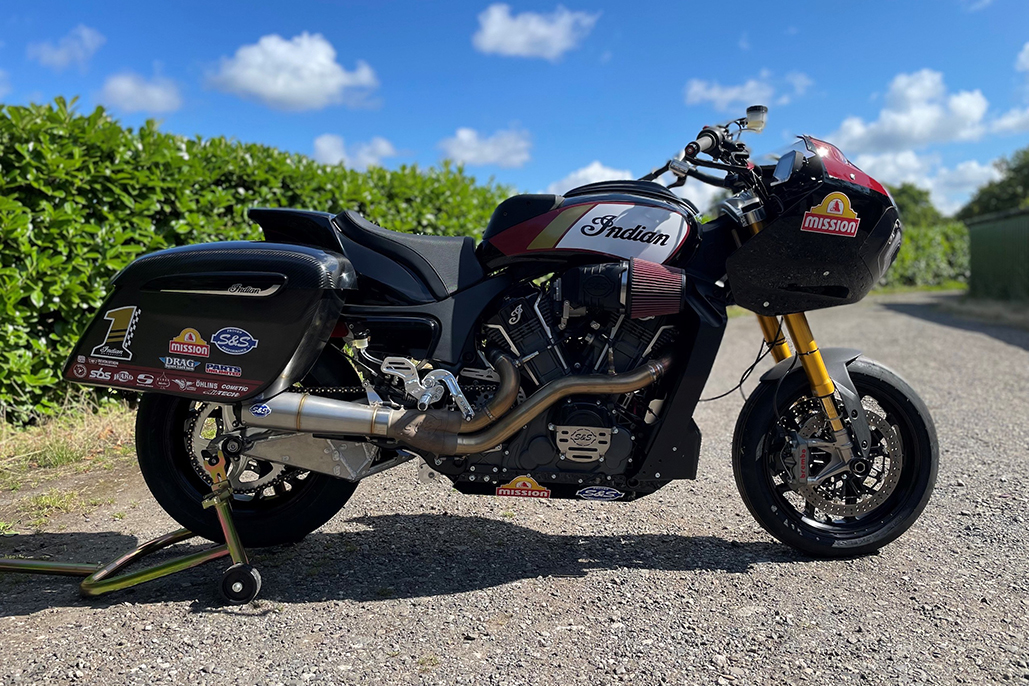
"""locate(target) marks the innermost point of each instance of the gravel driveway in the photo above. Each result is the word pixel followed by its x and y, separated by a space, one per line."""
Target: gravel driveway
pixel 416 584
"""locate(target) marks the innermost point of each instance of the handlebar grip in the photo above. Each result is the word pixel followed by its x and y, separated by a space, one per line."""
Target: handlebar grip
pixel 707 139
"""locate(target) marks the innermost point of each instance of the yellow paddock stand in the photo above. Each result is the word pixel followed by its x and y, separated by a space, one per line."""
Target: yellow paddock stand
pixel 240 582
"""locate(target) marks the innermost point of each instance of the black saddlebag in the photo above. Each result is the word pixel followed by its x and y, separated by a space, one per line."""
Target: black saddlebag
pixel 218 321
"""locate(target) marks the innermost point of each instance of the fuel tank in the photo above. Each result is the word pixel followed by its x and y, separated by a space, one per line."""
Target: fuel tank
pixel 610 219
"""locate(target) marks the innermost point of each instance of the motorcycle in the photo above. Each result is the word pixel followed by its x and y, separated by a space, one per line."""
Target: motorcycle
pixel 562 356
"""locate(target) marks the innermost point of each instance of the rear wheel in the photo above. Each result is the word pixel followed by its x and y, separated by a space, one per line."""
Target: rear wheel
pixel 855 512
pixel 271 504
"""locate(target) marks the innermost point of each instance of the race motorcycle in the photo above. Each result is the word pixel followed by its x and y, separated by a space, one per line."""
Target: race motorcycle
pixel 562 356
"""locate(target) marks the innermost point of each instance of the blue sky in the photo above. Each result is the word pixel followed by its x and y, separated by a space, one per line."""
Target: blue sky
pixel 540 95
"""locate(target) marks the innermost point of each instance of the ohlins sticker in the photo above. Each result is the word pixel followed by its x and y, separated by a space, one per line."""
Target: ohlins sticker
pixel 189 342
pixel 234 341
pixel 833 216
pixel 119 334
pixel 523 487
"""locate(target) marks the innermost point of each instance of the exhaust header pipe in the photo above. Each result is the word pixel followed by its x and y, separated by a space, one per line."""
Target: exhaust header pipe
pixel 443 432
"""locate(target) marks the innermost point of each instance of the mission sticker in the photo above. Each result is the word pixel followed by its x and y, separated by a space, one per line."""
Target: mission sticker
pixel 523 487
pixel 833 216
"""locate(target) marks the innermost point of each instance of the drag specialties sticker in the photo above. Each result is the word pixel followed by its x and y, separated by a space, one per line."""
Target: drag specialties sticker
pixel 223 369
pixel 179 363
pixel 233 340
pixel 119 334
pixel 523 487
pixel 189 342
pixel 833 216
pixel 604 493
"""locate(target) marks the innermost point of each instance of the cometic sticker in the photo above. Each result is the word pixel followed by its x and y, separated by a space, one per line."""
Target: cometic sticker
pixel 833 216
pixel 523 487
pixel 119 334
pixel 189 342
pixel 234 341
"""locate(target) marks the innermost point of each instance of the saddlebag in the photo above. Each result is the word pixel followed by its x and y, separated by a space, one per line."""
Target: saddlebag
pixel 218 321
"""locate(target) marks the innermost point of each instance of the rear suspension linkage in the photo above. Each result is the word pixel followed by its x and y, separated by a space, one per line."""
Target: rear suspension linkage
pixel 240 583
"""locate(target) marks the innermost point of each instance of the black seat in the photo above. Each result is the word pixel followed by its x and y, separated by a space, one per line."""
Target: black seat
pixel 446 264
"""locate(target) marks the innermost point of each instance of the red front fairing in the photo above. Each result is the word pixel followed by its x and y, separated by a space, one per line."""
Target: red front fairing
pixel 837 166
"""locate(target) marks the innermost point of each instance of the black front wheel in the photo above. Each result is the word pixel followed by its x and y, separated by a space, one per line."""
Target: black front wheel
pixel 272 504
pixel 851 513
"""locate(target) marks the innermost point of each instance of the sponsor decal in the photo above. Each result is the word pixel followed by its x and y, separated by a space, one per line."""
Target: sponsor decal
pixel 599 493
pixel 119 334
pixel 81 359
pixel 207 385
pixel 79 371
pixel 234 341
pixel 605 226
pixel 833 216
pixel 260 410
pixel 144 379
pixel 223 369
pixel 123 377
pixel 179 364
pixel 239 388
pixel 523 487
pixel 163 382
pixel 184 384
pixel 100 374
pixel 190 343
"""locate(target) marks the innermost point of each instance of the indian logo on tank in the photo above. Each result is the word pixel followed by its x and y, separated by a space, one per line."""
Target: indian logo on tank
pixel 189 342
pixel 523 487
pixel 119 334
pixel 833 216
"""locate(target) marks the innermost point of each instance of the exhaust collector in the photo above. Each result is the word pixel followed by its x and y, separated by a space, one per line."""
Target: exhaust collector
pixel 442 432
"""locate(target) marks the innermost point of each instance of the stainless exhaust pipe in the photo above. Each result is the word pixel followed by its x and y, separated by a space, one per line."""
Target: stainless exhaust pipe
pixel 439 431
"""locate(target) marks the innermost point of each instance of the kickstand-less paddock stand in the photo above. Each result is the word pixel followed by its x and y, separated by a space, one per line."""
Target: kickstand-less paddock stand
pixel 240 583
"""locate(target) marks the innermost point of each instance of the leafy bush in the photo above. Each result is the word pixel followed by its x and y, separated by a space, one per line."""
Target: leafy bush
pixel 81 196
pixel 930 255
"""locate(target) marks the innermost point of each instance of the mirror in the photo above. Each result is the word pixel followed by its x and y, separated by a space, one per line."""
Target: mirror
pixel 787 164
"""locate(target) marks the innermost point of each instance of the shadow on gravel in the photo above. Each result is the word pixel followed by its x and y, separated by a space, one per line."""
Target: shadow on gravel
pixel 397 556
pixel 932 313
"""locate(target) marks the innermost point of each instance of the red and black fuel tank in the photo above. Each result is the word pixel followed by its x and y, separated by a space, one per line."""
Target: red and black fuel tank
pixel 610 219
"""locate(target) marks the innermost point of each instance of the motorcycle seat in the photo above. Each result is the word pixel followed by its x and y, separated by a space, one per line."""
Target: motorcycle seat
pixel 446 264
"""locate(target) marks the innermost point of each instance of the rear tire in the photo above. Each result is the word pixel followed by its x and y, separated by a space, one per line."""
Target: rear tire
pixel 170 475
pixel 757 466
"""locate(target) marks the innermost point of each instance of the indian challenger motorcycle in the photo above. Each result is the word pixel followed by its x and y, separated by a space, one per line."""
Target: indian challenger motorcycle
pixel 561 357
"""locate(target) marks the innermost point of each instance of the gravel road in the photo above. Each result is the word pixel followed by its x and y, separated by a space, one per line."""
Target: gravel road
pixel 416 584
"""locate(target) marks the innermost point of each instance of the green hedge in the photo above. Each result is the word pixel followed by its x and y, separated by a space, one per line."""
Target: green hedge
pixel 81 196
pixel 931 256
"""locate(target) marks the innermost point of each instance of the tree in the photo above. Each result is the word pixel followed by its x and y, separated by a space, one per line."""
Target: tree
pixel 1009 192
pixel 916 209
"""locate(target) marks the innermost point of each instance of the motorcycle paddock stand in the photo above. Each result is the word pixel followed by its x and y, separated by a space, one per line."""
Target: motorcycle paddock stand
pixel 240 583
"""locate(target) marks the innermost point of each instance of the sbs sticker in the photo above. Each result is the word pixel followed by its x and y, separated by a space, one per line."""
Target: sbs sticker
pixel 833 216
pixel 233 340
pixel 599 493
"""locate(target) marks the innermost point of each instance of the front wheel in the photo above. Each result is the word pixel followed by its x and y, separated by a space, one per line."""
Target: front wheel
pixel 853 513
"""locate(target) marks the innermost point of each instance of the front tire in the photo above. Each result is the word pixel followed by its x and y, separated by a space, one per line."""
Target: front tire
pixel 285 512
pixel 863 517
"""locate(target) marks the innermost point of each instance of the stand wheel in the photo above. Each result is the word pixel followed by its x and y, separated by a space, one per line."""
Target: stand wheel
pixel 240 584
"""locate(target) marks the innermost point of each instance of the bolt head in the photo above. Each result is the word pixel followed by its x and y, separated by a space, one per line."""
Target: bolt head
pixel 471 478
pixel 657 475
pixel 601 460
pixel 472 468
pixel 550 427
pixel 562 456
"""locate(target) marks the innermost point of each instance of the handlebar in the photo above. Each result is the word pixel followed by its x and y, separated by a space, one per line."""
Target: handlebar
pixel 708 139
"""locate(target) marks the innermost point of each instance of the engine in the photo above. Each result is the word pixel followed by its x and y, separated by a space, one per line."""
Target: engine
pixel 593 319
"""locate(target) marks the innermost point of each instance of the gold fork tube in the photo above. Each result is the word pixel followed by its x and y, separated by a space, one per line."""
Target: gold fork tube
pixel 811 359
pixel 775 337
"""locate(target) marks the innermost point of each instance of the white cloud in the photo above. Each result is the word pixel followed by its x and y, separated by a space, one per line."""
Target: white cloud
pixel 530 34
pixel 508 148
pixel 752 92
pixel 700 194
pixel 297 74
pixel 75 48
pixel 591 173
pixel 1012 121
pixel 949 187
pixel 331 149
pixel 1022 63
pixel 131 92
pixel 919 111
pixel 5 83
